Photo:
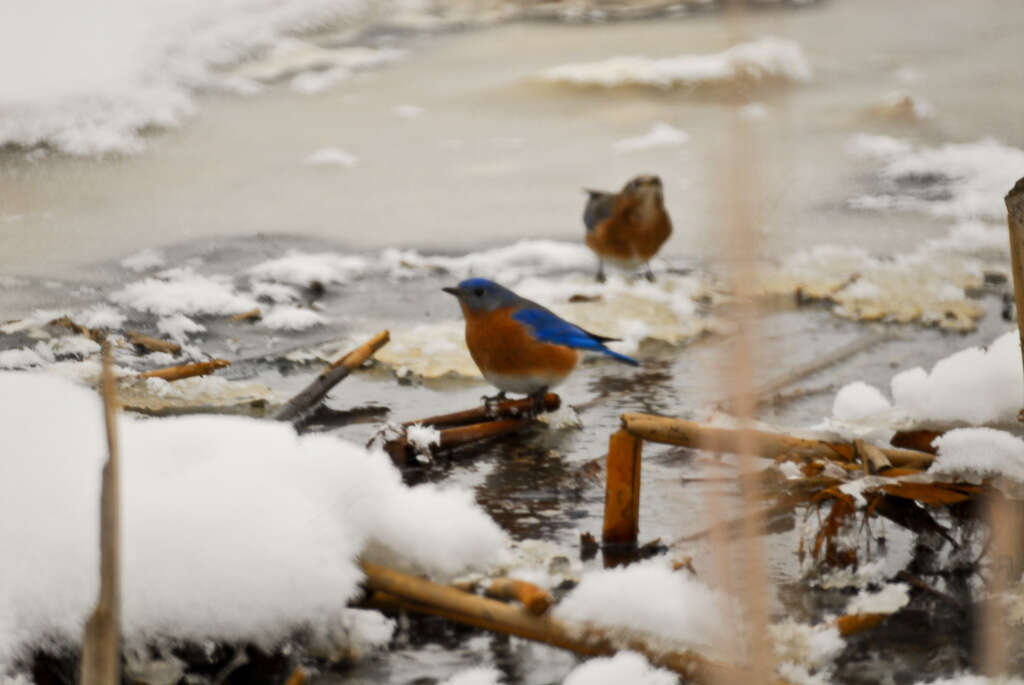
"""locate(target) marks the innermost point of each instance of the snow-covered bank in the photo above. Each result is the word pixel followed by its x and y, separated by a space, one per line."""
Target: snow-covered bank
pixel 233 529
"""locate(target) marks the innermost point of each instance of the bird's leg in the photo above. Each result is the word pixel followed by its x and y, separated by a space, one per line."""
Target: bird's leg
pixel 491 403
pixel 600 271
pixel 537 404
pixel 649 275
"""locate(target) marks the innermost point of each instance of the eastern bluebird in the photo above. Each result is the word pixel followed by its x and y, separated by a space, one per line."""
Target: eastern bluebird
pixel 518 345
pixel 628 227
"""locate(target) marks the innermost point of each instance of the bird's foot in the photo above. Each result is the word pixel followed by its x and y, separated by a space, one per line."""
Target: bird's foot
pixel 600 277
pixel 537 406
pixel 492 404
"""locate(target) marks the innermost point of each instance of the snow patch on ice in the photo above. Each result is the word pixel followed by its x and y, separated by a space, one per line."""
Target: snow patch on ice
pixel 805 652
pixel 183 291
pixel 888 600
pixel 857 400
pixel 20 358
pixel 652 600
pixel 100 316
pixel 480 675
pixel 765 59
pixel 422 438
pixel 660 135
pixel 290 318
pixel 179 327
pixel 144 260
pixel 302 269
pixel 624 667
pixel 979 453
pixel 253 572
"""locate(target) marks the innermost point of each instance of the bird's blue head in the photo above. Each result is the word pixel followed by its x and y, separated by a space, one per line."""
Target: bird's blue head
pixel 481 295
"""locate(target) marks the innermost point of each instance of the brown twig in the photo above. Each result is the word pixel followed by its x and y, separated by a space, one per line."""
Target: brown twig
pixel 101 644
pixel 248 316
pixel 313 394
pixel 176 373
pixel 1015 222
pixel 502 409
pixel 153 344
pixel 536 600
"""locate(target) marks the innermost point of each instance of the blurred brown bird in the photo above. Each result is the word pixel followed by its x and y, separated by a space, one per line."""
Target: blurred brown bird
pixel 629 227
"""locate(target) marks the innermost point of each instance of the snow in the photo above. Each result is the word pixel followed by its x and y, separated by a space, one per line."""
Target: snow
pixel 332 156
pixel 973 385
pixel 764 59
pixel 288 317
pixel 233 528
pixel 805 652
pixel 302 269
pixel 183 291
pixel 100 316
pixel 971 679
pixel 888 600
pixel 624 667
pixel 274 292
pixel 422 437
pixel 959 180
pixel 481 675
pixel 652 601
pixel 660 135
pixel 20 358
pixel 110 70
pixel 179 327
pixel 408 111
pixel 858 399
pixel 144 260
pixel 979 453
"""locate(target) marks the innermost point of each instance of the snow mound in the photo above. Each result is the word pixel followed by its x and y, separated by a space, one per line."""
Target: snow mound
pixel 232 529
pixel 481 675
pixel 652 601
pixel 624 667
pixel 857 400
pixel 302 269
pixel 959 180
pixel 975 453
pixel 288 317
pixel 765 59
pixel 183 291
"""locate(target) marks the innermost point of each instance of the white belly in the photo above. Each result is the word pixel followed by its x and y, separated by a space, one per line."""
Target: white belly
pixel 525 385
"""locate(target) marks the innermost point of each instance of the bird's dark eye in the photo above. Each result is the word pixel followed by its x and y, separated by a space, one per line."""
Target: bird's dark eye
pixel 479 292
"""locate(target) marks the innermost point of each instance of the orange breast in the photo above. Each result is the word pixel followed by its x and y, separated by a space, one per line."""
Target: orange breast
pixel 501 346
pixel 632 232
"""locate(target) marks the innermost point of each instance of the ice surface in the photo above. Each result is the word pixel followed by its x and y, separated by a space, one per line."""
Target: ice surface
pixel 650 600
pixel 408 111
pixel 481 675
pixel 960 180
pixel 112 69
pixel 975 453
pixel 332 156
pixel 144 260
pixel 890 599
pixel 660 135
pixel 764 59
pixel 233 529
pixel 624 667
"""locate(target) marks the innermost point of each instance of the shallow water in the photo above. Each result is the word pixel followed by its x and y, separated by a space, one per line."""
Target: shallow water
pixel 497 156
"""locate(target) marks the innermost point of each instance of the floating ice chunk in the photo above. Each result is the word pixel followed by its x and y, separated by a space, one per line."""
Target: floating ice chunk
pixel 890 599
pixel 179 327
pixel 764 59
pixel 857 400
pixel 408 111
pixel 248 575
pixel 288 317
pixel 624 667
pixel 979 453
pixel 480 675
pixel 332 156
pixel 20 358
pixel 144 260
pixel 973 385
pixel 182 291
pixel 660 135
pixel 303 269
pixel 652 600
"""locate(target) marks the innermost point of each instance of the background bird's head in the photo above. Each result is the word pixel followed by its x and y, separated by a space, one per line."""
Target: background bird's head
pixel 645 185
pixel 481 295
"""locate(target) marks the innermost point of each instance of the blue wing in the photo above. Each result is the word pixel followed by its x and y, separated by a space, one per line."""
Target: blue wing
pixel 547 327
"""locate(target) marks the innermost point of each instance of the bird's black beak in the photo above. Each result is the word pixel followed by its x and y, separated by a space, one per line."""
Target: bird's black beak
pixel 453 291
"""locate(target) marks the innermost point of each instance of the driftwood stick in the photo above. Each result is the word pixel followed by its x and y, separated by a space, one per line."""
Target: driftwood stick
pixel 1015 222
pixel 176 373
pixel 762 443
pixel 622 489
pixel 768 390
pixel 536 600
pixel 316 391
pixel 398 590
pixel 153 344
pixel 503 409
pixel 101 644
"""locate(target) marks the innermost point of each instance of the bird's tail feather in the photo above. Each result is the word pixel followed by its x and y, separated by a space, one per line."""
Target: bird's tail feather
pixel 620 357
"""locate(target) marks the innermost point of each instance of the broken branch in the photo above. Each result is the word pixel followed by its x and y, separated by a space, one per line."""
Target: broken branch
pixel 176 373
pixel 536 600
